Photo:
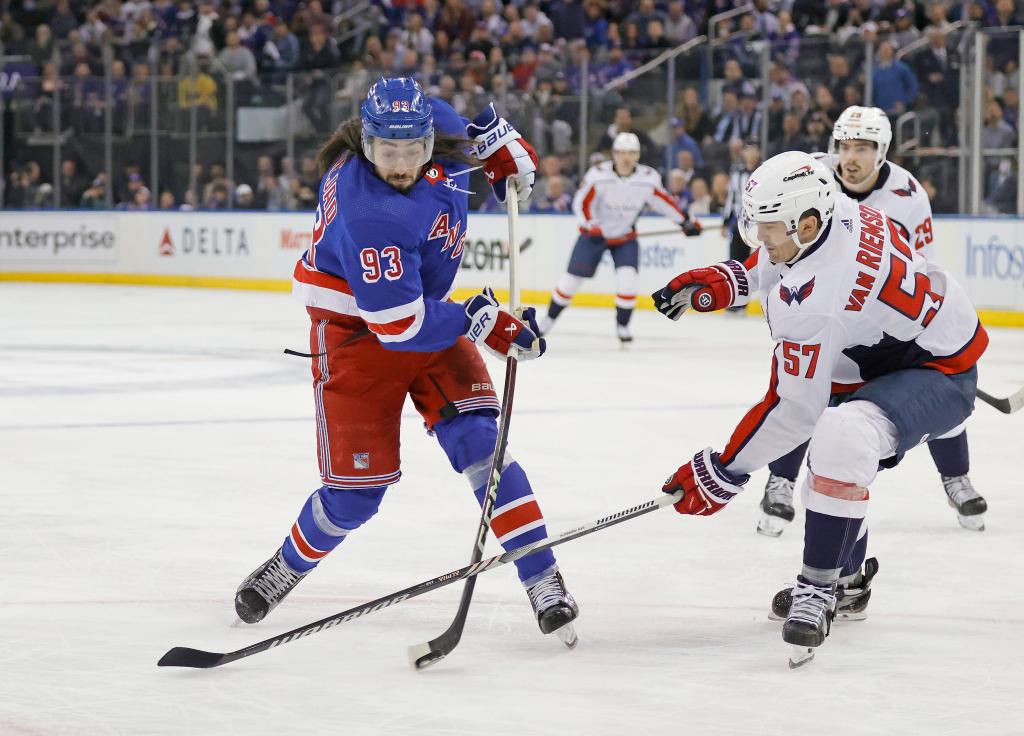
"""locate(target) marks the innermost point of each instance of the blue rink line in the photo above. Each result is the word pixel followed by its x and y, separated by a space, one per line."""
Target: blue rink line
pixel 661 408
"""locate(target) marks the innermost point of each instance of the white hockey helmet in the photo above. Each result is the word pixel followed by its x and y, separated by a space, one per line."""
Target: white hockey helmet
pixel 782 189
pixel 863 124
pixel 626 142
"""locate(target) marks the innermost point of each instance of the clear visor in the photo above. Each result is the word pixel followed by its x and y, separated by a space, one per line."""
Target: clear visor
pixel 755 234
pixel 398 154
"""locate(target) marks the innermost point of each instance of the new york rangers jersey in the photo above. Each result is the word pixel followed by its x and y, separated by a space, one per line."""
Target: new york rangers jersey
pixel 387 257
pixel 857 304
pixel 900 196
pixel 608 204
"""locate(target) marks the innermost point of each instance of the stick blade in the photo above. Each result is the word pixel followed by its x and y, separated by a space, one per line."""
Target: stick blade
pixel 423 655
pixel 186 657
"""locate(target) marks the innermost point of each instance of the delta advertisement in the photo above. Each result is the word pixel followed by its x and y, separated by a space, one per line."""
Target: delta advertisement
pixel 259 250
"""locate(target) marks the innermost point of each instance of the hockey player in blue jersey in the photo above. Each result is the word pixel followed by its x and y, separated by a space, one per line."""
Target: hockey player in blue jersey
pixel 388 237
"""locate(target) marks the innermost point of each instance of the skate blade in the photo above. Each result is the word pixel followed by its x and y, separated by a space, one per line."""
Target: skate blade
pixel 771 526
pixel 567 635
pixel 974 523
pixel 799 656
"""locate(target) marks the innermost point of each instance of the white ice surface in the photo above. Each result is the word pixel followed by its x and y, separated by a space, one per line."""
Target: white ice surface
pixel 155 446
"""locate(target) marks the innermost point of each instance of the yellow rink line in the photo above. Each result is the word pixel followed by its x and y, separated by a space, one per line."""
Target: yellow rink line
pixel 989 317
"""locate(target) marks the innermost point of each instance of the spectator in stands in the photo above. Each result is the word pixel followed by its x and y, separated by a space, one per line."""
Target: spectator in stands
pixel 568 19
pixel 456 20
pixel 219 197
pixel 782 82
pixel 818 130
pixel 80 54
pixel 1002 188
pixel 319 55
pixel 533 19
pixel 218 180
pixel 679 27
pixel 64 20
pixel 719 192
pixel 650 154
pixel 700 197
pixel 139 202
pixel 904 33
pixel 42 46
pixel 766 24
pixel 137 95
pixel 654 36
pixel 95 197
pixel 244 199
pixel 680 140
pixel 197 89
pixel 792 136
pixel 727 122
pixel 996 133
pixel 72 185
pixel 676 185
pixel 893 82
pixel 85 99
pixel 733 77
pixel 207 30
pixel 282 53
pixel 491 16
pixel 614 66
pixel 595 28
pixel 237 60
pixel 695 119
pixel 1003 46
pixel 555 199
pixel 49 87
pixel 750 118
pixel 691 168
pixel 167 201
pixel 839 75
pixel 415 36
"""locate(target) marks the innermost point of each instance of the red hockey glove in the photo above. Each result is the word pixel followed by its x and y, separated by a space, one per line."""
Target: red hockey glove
pixel 501 333
pixel 705 484
pixel 691 228
pixel 504 152
pixel 704 289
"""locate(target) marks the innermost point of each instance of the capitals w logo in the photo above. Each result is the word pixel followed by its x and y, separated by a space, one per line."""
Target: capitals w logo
pixel 906 191
pixel 798 294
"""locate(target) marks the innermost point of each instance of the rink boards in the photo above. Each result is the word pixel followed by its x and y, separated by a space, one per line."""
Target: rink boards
pixel 258 250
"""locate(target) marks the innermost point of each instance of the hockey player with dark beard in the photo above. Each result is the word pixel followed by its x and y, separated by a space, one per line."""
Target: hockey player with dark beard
pixel 857 150
pixel 388 237
pixel 864 367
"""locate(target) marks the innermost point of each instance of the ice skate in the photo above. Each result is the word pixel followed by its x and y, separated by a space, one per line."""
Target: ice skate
pixel 776 506
pixel 852 598
pixel 969 505
pixel 555 607
pixel 809 621
pixel 625 337
pixel 267 586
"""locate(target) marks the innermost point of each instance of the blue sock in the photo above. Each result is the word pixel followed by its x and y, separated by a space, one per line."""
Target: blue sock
pixel 326 519
pixel 829 542
pixel 468 440
pixel 951 455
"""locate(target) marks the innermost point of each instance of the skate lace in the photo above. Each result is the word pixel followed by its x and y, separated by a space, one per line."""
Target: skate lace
pixel 959 489
pixel 810 602
pixel 548 592
pixel 779 490
pixel 276 580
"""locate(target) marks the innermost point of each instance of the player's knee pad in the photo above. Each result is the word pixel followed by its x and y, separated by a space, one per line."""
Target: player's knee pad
pixel 346 509
pixel 567 286
pixel 847 443
pixel 468 440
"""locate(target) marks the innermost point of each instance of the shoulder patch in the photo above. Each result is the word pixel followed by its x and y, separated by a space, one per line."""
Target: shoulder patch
pixel 909 190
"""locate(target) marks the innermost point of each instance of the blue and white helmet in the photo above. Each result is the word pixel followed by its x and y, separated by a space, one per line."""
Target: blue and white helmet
pixel 396 108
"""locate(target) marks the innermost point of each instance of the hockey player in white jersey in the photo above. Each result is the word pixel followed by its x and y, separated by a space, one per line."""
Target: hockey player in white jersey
pixel 875 352
pixel 860 140
pixel 608 202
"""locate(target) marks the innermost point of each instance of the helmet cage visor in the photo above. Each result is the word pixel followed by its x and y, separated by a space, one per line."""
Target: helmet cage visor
pixel 398 153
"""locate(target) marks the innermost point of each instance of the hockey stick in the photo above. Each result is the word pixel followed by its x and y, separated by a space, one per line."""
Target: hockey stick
pixel 424 655
pixel 1008 405
pixel 677 231
pixel 186 657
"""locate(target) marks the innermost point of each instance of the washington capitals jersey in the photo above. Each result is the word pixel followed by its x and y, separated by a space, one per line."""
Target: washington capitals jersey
pixel 857 304
pixel 387 257
pixel 900 196
pixel 611 203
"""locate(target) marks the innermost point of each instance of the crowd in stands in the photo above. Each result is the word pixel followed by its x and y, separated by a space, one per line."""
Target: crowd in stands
pixel 175 61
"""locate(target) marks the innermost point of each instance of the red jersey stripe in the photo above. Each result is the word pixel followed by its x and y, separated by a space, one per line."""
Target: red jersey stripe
pixel 751 260
pixel 965 358
pixel 392 328
pixel 754 418
pixel 587 199
pixel 319 278
pixel 663 195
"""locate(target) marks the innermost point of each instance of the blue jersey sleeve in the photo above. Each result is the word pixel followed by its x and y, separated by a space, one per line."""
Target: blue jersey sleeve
pixel 388 290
